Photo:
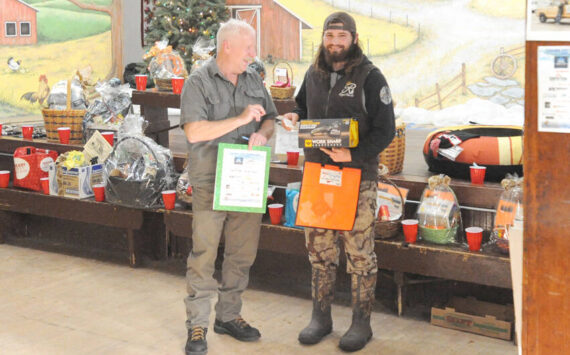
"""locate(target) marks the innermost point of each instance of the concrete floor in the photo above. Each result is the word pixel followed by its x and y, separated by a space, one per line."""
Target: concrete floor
pixel 59 304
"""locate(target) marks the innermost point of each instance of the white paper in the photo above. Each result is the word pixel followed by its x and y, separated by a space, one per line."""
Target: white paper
pixel 553 89
pixel 330 177
pixel 243 178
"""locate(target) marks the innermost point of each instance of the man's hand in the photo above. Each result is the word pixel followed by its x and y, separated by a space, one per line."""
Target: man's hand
pixel 291 116
pixel 252 112
pixel 338 155
pixel 256 139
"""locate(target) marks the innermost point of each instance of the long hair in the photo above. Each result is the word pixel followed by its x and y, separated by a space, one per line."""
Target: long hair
pixel 353 58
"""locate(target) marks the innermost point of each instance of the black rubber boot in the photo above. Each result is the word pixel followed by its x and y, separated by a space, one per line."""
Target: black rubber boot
pixel 322 284
pixel 360 332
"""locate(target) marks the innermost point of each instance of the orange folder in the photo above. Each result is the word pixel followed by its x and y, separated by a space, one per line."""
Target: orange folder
pixel 328 197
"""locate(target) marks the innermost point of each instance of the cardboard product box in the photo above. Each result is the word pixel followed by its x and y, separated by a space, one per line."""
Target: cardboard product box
pixel 328 133
pixel 75 182
pixel 471 315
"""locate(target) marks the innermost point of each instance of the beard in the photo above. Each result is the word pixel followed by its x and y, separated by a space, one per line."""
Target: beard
pixel 336 57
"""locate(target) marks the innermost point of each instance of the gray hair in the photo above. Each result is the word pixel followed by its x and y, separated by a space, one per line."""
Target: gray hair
pixel 231 28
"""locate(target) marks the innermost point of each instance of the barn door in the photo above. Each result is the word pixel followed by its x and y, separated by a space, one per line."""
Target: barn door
pixel 251 16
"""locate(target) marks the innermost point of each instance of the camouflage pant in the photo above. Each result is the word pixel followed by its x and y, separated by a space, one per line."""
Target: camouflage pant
pixel 323 244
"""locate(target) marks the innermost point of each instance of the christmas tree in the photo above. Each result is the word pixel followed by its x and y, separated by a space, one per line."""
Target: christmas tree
pixel 183 22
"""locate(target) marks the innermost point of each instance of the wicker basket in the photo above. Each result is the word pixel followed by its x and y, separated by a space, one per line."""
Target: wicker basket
pixel 388 229
pixel 393 156
pixel 53 119
pixel 283 93
pixel 163 84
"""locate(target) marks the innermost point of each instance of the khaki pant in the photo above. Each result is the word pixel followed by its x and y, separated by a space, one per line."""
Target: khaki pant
pixel 323 244
pixel 241 233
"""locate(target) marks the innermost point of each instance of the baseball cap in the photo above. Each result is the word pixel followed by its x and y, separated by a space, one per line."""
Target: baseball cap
pixel 340 21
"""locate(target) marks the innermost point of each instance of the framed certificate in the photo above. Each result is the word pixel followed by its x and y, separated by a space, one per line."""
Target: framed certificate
pixel 242 176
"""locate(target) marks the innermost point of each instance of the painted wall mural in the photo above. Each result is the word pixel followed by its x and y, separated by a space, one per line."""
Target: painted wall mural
pixel 45 41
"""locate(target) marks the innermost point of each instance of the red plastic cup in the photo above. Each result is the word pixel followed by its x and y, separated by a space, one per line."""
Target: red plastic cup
pixel 177 84
pixel 410 227
pixel 99 192
pixel 169 199
pixel 0 129
pixel 4 178
pixel 477 174
pixel 275 212
pixel 474 237
pixel 27 132
pixel 292 158
pixel 64 134
pixel 140 80
pixel 109 137
pixel 45 185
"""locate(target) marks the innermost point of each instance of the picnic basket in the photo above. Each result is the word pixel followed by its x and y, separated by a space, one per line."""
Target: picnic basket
pixel 393 156
pixel 53 119
pixel 388 229
pixel 286 92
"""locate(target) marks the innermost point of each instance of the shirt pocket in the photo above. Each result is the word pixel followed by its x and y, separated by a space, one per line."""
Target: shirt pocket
pixel 255 96
pixel 217 108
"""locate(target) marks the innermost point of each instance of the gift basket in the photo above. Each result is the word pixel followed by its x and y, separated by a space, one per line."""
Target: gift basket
pixel 138 169
pixel 67 106
pixel 106 113
pixel 183 186
pixel 202 50
pixel 165 64
pixel 393 156
pixel 509 208
pixel 439 214
pixel 282 88
pixel 390 206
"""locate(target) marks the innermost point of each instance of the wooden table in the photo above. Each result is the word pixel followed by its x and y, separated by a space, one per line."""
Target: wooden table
pixel 154 107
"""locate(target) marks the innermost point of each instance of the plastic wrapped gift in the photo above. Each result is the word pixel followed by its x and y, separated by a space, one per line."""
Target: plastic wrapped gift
pixel 138 169
pixel 165 64
pixel 439 214
pixel 509 208
pixel 184 186
pixel 108 111
pixel 57 99
pixel 202 50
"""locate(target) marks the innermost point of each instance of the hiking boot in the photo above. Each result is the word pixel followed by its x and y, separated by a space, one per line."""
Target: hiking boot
pixel 238 328
pixel 360 332
pixel 196 343
pixel 322 284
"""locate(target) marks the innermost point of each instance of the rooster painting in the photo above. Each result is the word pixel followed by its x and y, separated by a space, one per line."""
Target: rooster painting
pixel 41 94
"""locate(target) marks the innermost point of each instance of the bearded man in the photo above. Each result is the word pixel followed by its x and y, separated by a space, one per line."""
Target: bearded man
pixel 343 83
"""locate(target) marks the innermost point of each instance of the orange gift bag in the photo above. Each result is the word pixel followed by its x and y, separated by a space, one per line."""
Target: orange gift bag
pixel 328 197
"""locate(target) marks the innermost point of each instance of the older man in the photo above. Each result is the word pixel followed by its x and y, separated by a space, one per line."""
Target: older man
pixel 223 101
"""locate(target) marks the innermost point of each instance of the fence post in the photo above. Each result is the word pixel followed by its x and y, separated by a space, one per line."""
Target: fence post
pixel 390 17
pixel 417 102
pixel 438 95
pixel 463 79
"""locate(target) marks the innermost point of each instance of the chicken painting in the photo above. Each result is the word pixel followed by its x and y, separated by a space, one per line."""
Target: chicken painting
pixel 14 64
pixel 41 95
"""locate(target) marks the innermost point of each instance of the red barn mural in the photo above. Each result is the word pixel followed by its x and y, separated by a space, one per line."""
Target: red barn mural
pixel 278 29
pixel 17 23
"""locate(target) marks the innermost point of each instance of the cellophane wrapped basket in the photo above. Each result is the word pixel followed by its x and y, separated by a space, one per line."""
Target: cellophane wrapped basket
pixel 509 208
pixel 393 156
pixel 439 214
pixel 138 169
pixel 388 226
pixel 68 117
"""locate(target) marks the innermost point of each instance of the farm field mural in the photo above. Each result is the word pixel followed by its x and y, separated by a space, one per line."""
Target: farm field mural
pixel 69 38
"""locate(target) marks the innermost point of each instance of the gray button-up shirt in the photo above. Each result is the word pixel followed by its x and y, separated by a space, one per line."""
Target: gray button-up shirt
pixel 208 95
